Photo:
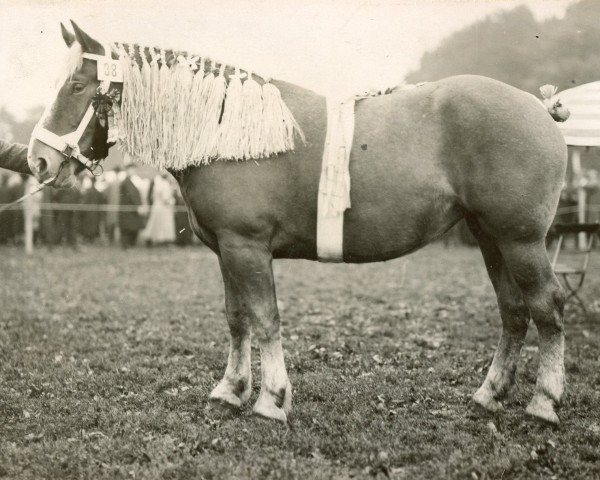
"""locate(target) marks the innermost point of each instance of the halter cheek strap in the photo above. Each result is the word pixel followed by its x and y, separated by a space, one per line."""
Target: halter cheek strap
pixel 68 144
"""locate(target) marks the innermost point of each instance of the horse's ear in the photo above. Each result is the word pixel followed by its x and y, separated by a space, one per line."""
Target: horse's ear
pixel 88 44
pixel 68 37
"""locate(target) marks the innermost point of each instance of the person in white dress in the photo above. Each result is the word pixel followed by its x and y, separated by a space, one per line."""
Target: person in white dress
pixel 161 222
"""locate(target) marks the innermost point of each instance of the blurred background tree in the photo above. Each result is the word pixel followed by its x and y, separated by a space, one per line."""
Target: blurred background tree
pixel 513 47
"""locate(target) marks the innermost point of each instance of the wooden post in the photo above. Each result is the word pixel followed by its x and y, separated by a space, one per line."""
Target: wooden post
pixel 581 193
pixel 28 212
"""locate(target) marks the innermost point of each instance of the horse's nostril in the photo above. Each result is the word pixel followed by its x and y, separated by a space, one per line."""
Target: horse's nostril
pixel 41 165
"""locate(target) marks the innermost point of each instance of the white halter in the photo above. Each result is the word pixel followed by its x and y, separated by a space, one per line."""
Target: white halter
pixel 68 144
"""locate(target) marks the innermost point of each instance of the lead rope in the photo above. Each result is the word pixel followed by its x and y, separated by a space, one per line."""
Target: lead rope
pixel 46 183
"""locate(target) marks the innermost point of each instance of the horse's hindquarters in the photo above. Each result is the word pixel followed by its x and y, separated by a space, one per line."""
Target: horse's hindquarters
pixel 504 156
pixel 467 145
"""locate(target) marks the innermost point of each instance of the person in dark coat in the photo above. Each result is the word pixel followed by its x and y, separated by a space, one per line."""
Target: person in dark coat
pixel 89 220
pixel 66 218
pixel 15 222
pixel 5 216
pixel 130 219
pixel 13 156
pixel 111 195
pixel 48 218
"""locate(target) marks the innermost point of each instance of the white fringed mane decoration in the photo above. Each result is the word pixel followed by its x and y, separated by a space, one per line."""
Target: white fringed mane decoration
pixel 180 110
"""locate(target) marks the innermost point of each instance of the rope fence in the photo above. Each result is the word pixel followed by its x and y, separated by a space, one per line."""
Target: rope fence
pixel 176 208
pixel 86 207
pixel 29 208
pixel 33 210
pixel 575 209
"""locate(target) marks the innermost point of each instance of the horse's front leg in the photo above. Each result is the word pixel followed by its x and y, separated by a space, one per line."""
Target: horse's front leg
pixel 235 387
pixel 247 265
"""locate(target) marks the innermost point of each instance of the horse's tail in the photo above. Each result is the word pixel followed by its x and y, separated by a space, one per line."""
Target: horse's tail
pixel 555 108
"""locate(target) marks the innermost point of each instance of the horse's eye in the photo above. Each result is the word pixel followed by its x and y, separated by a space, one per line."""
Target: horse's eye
pixel 78 87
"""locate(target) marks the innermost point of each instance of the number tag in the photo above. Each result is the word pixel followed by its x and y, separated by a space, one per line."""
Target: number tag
pixel 110 70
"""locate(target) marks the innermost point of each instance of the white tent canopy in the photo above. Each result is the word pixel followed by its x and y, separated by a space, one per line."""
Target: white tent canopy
pixel 582 129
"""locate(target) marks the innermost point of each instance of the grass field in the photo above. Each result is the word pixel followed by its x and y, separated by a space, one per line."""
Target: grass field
pixel 107 359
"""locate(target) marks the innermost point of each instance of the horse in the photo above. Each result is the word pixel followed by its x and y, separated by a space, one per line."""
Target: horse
pixel 463 147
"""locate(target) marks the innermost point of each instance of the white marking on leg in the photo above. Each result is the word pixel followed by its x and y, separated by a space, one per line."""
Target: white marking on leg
pixel 235 387
pixel 275 399
pixel 274 373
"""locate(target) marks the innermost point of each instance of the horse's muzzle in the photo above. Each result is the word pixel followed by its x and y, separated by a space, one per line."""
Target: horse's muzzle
pixel 39 167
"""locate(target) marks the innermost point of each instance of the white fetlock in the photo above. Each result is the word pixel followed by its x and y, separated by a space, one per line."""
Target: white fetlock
pixel 266 408
pixel 484 398
pixel 541 408
pixel 270 405
pixel 224 393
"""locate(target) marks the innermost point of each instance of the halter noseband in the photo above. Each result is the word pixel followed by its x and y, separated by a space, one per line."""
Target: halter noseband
pixel 68 144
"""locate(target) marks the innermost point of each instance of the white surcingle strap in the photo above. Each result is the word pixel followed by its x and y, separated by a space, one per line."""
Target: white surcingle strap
pixel 334 185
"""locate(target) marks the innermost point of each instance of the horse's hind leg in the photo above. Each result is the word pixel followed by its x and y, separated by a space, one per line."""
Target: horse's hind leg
pixel 515 320
pixel 529 265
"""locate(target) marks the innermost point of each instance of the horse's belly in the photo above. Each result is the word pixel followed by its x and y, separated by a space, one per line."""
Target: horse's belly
pixel 401 197
pixel 409 220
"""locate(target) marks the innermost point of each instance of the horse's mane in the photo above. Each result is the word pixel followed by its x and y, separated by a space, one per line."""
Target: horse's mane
pixel 72 63
pixel 179 109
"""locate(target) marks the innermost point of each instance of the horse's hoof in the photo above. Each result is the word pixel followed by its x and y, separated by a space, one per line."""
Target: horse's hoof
pixel 225 393
pixel 541 408
pixel 265 408
pixel 222 408
pixel 227 397
pixel 486 403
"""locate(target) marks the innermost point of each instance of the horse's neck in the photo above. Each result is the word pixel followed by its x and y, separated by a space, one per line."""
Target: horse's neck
pixel 304 104
pixel 299 101
pixel 291 89
pixel 171 56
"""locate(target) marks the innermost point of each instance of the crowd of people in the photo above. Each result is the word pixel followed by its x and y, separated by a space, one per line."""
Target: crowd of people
pixel 117 207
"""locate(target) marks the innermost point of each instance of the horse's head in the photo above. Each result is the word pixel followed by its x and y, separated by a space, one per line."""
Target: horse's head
pixel 69 135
